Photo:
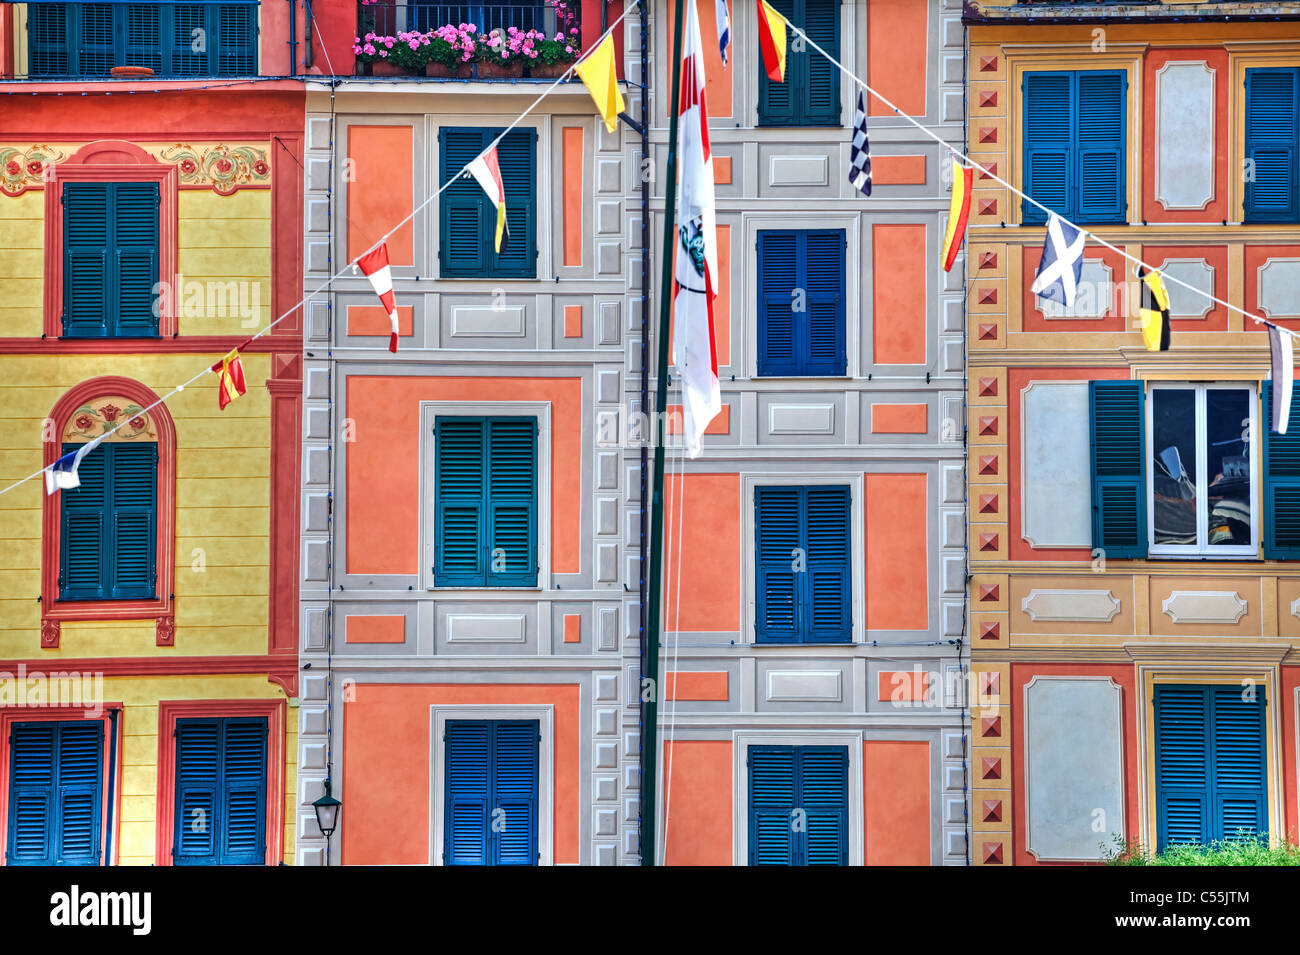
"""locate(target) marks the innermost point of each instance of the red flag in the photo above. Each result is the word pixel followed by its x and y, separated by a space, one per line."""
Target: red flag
pixel 230 379
pixel 375 264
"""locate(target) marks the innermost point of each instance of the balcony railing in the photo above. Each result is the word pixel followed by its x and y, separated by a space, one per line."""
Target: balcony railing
pixel 390 17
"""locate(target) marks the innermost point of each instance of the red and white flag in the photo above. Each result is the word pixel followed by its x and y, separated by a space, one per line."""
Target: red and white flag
pixel 375 264
pixel 695 351
pixel 487 173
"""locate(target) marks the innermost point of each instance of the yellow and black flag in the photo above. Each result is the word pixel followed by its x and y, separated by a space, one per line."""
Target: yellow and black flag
pixel 1154 310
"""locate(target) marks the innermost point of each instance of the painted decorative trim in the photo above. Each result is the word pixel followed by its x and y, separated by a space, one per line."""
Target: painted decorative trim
pixel 804 686
pixel 1177 292
pixel 23 168
pixel 486 628
pixel 1085 606
pixel 1030 531
pixel 285 387
pixel 169 711
pixel 1284 303
pixel 1208 135
pixel 800 419
pixel 1205 606
pixel 223 168
pixel 278 667
pixel 103 414
pixel 159 606
pixel 181 345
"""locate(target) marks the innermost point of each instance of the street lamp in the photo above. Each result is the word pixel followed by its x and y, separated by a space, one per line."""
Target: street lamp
pixel 327 812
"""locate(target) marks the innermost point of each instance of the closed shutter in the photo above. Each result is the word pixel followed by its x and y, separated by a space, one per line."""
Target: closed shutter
pixel 778 537
pixel 776 101
pixel 802 540
pixel 1119 518
pixel 491 792
pixel 110 259
pixel 1272 104
pixel 198 767
pixel 512 502
pixel 801 328
pixel 459 486
pixel 236 47
pixel 1048 144
pixel 821 324
pixel 1099 178
pixel 135 234
pixel 220 791
pixel 85 521
pixel 54 793
pixel 133 497
pixel 1281 481
pixel 467 235
pixel 86 259
pixel 819 78
pixel 825 584
pixel 515 792
pixel 1240 805
pixel 48 26
pixel 461 247
pixel 147 43
pixel 1182 765
pixel 468 792
pixel 95 48
pixel 517 160
pixel 798 805
pixel 243 806
pixel 778 277
pixel 772 801
pixel 824 786
pixel 185 60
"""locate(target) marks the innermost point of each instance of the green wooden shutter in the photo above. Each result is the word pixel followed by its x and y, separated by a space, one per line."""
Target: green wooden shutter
pixel 135 258
pixel 511 505
pixel 1281 459
pixel 31 794
pixel 1100 143
pixel 776 101
pixel 185 60
pixel 80 772
pixel 1239 795
pixel 236 43
pixel 1272 130
pixel 145 37
pixel 821 327
pixel 778 522
pixel 96 40
pixel 517 160
pixel 84 529
pixel 86 259
pixel 198 766
pixel 462 248
pixel 459 490
pixel 825 587
pixel 1182 765
pixel 468 792
pixel 133 498
pixel 49 29
pixel 818 77
pixel 778 276
pixel 1048 144
pixel 1119 518
pixel 771 804
pixel 243 791
pixel 514 787
pixel 824 797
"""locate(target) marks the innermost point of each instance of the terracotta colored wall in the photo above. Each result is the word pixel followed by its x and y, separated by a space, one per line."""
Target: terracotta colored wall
pixel 718 79
pixel 386 753
pixel 383 192
pixel 896 553
pixel 574 228
pixel 1290 679
pixel 709 553
pixel 896 801
pixel 699 802
pixel 1217 208
pixel 897 55
pixel 383 508
pixel 898 269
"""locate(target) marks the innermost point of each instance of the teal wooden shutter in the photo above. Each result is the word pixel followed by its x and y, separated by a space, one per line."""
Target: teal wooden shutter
pixel 1272 130
pixel 1049 144
pixel 1240 795
pixel 776 101
pixel 135 265
pixel 95 41
pixel 468 792
pixel 243 792
pixel 145 38
pixel 198 767
pixel 824 785
pixel 1182 765
pixel 1119 517
pixel 826 591
pixel 49 30
pixel 462 247
pixel 821 326
pixel 511 504
pixel 515 785
pixel 185 60
pixel 1099 172
pixel 86 259
pixel 771 805
pixel 818 77
pixel 517 160
pixel 777 538
pixel 133 499
pixel 778 276
pixel 1281 454
pixel 84 529
pixel 459 490
pixel 55 793
pixel 236 46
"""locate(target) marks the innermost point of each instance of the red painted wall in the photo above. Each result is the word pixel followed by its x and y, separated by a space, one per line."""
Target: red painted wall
pixel 699 802
pixel 896 553
pixel 898 269
pixel 896 795
pixel 896 55
pixel 708 554
pixel 1216 59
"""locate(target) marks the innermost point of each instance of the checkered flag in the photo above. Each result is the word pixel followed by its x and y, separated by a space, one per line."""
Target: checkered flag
pixel 860 152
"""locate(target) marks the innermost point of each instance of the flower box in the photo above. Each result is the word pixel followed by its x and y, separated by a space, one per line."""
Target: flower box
pixel 384 68
pixel 464 70
pixel 538 69
pixel 488 69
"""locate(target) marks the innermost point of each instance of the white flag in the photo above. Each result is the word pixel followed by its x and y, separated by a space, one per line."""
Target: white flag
pixel 1282 374
pixel 695 350
pixel 62 474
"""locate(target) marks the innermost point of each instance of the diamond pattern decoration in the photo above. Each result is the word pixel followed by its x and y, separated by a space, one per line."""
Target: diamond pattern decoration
pixel 988 387
pixel 990 683
pixel 988 260
pixel 988 134
pixel 989 170
pixel 992 853
pixel 988 296
pixel 990 630
pixel 988 464
pixel 988 332
pixel 991 810
pixel 990 726
pixel 988 503
pixel 988 98
pixel 988 542
pixel 988 64
pixel 991 767
pixel 989 424
pixel 988 207
pixel 990 593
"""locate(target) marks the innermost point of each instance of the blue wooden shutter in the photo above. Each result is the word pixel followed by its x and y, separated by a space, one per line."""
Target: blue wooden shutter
pixel 778 276
pixel 776 101
pixel 55 791
pixel 236 45
pixel 824 797
pixel 1272 104
pixel 1281 481
pixel 133 531
pixel 1049 144
pixel 49 32
pixel 198 767
pixel 821 326
pixel 825 587
pixel 1182 765
pixel 459 489
pixel 1119 518
pixel 462 248
pixel 468 792
pixel 146 40
pixel 86 259
pixel 517 160
pixel 1239 794
pixel 819 96
pixel 135 262
pixel 243 791
pixel 185 60
pixel 96 46
pixel 771 804
pixel 31 794
pixel 777 535
pixel 80 771
pixel 514 791
pixel 511 505
pixel 1099 172
pixel 84 529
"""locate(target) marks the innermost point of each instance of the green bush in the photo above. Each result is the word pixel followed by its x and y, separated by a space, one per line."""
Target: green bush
pixel 1243 850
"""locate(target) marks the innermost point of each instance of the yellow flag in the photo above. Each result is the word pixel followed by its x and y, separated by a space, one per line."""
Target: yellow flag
pixel 597 73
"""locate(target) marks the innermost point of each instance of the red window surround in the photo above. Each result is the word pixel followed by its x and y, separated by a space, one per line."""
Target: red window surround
pixel 55 611
pixel 109 803
pixel 169 711
pixel 109 161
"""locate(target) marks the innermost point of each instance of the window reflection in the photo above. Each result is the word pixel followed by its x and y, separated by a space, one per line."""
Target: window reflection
pixel 1173 465
pixel 1227 425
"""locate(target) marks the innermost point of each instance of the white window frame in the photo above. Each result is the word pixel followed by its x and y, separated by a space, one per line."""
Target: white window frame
pixel 1202 549
pixel 439 714
pixel 742 740
pixel 429 413
pixel 856 481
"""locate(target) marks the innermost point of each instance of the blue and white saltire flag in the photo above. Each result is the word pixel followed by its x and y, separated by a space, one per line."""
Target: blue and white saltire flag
pixel 1062 264
pixel 724 30
pixel 62 474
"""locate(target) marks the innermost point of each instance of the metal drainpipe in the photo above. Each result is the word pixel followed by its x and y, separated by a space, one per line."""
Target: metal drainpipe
pixel 645 367
pixel 293 37
pixel 112 786
pixel 309 20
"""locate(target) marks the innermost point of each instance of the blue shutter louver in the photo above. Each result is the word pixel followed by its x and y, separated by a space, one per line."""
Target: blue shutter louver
pixel 778 276
pixel 243 829
pixel 1272 128
pixel 1182 765
pixel 772 800
pixel 86 254
pixel 801 289
pixel 55 793
pixel 1102 100
pixel 512 501
pixel 515 791
pixel 467 244
pixel 827 593
pixel 491 776
pixel 110 259
pixel 1240 806
pixel 808 525
pixel 788 780
pixel 220 791
pixel 136 233
pixel 460 487
pixel 1281 471
pixel 777 535
pixel 1119 519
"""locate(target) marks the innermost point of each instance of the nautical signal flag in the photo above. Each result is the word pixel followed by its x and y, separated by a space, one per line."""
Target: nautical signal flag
pixel 1153 311
pixel 375 265
pixel 1061 266
pixel 724 29
pixel 958 213
pixel 488 174
pixel 230 379
pixel 63 472
pixel 1282 374
pixel 860 152
pixel 596 70
pixel 771 40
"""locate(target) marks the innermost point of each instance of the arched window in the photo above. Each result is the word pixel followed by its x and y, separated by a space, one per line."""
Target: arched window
pixel 108 546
